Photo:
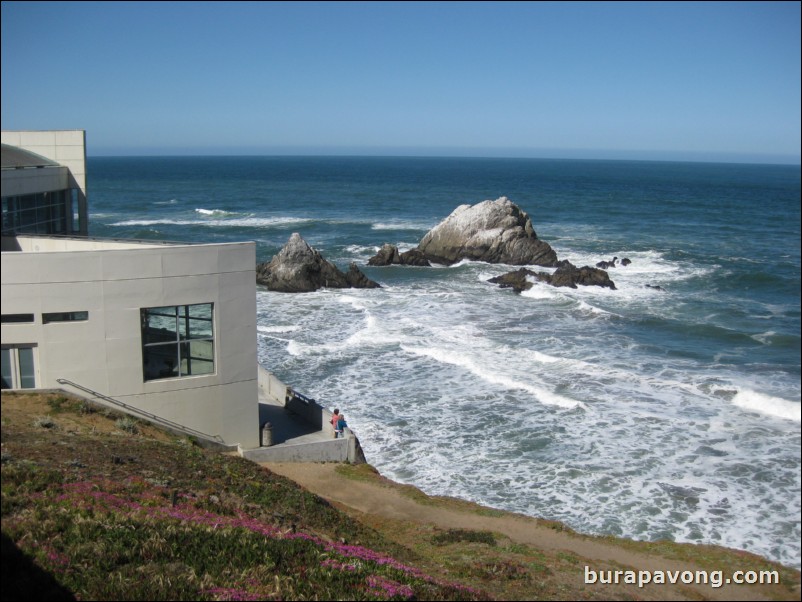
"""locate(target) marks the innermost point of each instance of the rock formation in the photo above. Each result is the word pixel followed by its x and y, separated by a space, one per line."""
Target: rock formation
pixel 298 268
pixel 566 275
pixel 607 264
pixel 389 255
pixel 492 231
pixel 356 279
pixel 569 275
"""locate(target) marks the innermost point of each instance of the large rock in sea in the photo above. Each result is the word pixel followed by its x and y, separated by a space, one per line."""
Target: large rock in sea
pixel 298 268
pixel 492 231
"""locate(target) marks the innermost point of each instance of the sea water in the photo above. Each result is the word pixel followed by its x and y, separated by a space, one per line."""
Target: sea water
pixel 668 408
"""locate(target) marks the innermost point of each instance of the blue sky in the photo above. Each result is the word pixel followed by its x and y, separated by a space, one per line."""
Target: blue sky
pixel 677 81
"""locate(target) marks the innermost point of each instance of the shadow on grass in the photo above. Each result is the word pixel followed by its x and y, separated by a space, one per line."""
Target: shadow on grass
pixel 24 580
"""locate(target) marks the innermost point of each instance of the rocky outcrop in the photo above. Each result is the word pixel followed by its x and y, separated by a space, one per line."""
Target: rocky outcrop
pixel 356 279
pixel 389 255
pixel 492 231
pixel 569 275
pixel 298 268
pixel 566 275
pixel 517 280
pixel 613 263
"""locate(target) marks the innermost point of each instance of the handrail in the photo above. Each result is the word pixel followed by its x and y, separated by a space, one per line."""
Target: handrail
pixel 150 416
pixel 304 398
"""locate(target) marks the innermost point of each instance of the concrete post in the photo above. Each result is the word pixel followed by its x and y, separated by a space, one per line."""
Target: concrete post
pixel 267 434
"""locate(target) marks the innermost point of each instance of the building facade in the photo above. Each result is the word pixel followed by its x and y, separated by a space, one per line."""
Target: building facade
pixel 44 182
pixel 168 329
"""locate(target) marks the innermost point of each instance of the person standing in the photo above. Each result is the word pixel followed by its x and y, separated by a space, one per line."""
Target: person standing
pixel 341 424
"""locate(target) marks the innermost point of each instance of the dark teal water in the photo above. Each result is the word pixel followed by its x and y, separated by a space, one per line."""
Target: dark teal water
pixel 640 412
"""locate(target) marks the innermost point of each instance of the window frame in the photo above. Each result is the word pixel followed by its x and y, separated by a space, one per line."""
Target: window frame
pixel 38 213
pixel 58 317
pixel 16 364
pixel 169 334
pixel 17 319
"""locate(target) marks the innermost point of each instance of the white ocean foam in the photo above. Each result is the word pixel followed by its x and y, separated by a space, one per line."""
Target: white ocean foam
pixel 578 299
pixel 152 222
pixel 647 267
pixel 567 428
pixel 401 225
pixel 245 222
pixel 764 337
pixel 585 306
pixel 278 329
pixel 294 348
pixel 362 250
pixel 753 401
pixel 215 212
pixel 541 291
pixel 265 222
pixel 544 358
pixel 492 376
pixel 463 262
pixel 355 302
pixel 370 334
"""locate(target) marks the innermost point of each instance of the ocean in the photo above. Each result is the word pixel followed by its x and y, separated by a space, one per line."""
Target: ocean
pixel 668 408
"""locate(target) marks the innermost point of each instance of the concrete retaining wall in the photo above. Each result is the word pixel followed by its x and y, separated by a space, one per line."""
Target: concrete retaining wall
pixel 311 411
pixel 345 449
pixel 272 387
pixel 335 450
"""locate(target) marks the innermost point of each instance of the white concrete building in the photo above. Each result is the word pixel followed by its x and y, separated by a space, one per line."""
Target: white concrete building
pixel 169 329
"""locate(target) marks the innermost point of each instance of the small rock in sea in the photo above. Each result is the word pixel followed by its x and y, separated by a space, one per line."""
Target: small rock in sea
pixel 298 268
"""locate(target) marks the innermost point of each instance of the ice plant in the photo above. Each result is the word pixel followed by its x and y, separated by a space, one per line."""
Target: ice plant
pixel 388 589
pixel 119 516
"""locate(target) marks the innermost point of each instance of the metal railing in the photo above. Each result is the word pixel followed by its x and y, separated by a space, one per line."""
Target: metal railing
pixel 152 417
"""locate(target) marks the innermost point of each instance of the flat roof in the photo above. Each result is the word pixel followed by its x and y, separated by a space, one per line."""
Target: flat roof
pixel 16 158
pixel 47 243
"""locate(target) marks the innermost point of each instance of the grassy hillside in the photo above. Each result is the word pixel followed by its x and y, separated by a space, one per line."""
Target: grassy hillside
pixel 114 509
pixel 98 506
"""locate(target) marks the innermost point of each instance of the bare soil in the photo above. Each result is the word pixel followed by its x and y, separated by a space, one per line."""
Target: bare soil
pixel 376 500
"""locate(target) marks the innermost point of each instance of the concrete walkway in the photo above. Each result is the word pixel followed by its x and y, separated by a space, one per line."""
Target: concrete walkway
pixel 289 428
pixel 300 428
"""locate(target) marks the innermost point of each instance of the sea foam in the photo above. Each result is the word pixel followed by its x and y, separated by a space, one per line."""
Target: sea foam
pixel 242 222
pixel 215 212
pixel 753 401
pixel 495 377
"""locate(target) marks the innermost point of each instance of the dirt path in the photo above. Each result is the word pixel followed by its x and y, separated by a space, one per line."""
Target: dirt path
pixel 386 501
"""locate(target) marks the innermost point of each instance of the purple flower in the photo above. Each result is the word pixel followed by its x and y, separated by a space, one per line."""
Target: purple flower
pixel 389 588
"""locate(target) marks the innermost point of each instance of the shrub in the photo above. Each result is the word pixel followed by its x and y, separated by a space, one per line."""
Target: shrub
pixel 58 402
pixel 86 407
pixel 127 424
pixel 45 422
pixel 458 535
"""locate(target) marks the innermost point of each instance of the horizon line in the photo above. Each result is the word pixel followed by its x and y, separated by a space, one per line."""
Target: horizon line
pixel 454 153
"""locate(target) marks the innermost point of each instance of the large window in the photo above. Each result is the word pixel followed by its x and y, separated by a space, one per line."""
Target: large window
pixel 42 213
pixel 18 367
pixel 178 341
